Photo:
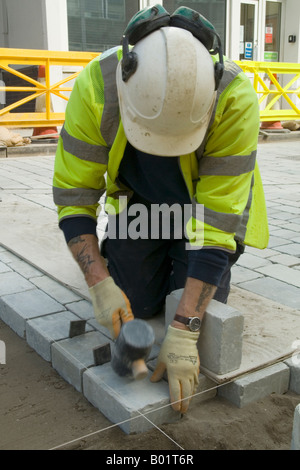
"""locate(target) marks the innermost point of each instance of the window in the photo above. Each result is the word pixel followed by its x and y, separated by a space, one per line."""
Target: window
pixel 97 25
pixel 213 10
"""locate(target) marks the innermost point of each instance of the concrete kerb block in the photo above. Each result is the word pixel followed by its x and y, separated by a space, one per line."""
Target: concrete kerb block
pixel 295 445
pixel 41 332
pixel 294 365
pixel 132 404
pixel 72 356
pixel 257 385
pixel 16 309
pixel 221 337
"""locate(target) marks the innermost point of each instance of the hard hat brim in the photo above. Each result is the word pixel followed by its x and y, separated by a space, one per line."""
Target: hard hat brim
pixel 153 143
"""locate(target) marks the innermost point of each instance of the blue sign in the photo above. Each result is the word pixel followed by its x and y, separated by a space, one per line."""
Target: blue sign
pixel 248 50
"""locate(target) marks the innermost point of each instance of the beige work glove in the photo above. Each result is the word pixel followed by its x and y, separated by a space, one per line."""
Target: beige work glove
pixel 111 306
pixel 179 356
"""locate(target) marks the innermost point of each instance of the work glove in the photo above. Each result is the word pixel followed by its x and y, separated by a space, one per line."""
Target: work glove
pixel 111 306
pixel 179 356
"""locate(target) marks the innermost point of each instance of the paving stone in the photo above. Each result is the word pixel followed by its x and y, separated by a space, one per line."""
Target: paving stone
pixel 221 337
pixel 291 249
pixel 286 260
pixel 25 269
pixel 241 274
pixel 250 261
pixel 82 308
pixel 257 385
pixel 72 356
pixel 17 309
pixel 4 268
pixel 266 253
pixel 55 289
pixel 277 241
pixel 43 331
pixel 294 364
pixel 11 283
pixel 283 233
pixel 274 289
pixel 282 273
pixel 8 257
pixel 124 401
pixel 295 445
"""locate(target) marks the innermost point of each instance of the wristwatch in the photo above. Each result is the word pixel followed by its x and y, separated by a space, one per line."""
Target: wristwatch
pixel 194 323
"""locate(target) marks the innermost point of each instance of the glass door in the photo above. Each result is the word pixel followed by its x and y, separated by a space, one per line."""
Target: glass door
pixel 272 32
pixel 248 30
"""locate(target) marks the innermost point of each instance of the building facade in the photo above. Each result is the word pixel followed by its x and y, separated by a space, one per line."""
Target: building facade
pixel 263 30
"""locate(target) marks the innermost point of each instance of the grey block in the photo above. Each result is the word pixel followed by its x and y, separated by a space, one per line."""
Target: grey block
pixel 72 356
pixel 17 309
pixel 11 283
pixel 55 289
pixel 295 445
pixel 221 337
pixel 257 385
pixel 274 289
pixel 43 331
pixel 82 308
pixel 132 404
pixel 294 365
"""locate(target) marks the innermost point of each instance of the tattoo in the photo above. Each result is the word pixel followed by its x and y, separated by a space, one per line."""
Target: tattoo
pixel 83 259
pixel 206 292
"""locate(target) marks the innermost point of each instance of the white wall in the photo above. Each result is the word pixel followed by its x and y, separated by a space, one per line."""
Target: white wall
pixel 291 25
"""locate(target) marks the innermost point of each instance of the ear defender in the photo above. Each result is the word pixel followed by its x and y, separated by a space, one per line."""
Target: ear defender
pixel 204 31
pixel 152 18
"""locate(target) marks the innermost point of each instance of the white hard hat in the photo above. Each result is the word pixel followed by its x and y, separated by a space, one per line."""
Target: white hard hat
pixel 167 103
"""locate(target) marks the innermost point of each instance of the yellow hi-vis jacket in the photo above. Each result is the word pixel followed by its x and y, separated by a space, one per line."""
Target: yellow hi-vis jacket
pixel 222 175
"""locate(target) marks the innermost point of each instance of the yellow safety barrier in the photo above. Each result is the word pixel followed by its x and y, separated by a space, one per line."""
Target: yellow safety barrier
pixel 9 116
pixel 11 57
pixel 270 95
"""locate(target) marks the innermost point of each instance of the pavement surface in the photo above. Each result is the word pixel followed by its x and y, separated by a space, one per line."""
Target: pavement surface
pixel 30 238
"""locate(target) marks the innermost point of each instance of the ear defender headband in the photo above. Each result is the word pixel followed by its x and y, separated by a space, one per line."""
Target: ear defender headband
pixel 152 18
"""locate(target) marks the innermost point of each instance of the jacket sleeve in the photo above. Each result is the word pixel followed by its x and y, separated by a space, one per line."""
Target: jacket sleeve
pixel 224 189
pixel 82 154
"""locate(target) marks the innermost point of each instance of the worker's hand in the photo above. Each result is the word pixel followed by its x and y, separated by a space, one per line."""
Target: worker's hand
pixel 111 306
pixel 179 356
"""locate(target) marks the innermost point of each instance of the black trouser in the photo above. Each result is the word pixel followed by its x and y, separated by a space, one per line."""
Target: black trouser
pixel 148 270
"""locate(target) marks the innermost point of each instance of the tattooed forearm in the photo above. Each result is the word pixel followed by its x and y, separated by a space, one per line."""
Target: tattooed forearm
pixel 206 292
pixel 81 255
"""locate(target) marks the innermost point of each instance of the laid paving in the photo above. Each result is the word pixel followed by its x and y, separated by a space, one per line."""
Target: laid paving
pixel 42 291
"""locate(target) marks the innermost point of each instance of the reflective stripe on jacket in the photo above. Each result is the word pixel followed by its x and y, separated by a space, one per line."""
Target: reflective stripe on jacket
pixel 222 176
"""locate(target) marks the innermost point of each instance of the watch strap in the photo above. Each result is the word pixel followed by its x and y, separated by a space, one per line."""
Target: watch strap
pixel 182 319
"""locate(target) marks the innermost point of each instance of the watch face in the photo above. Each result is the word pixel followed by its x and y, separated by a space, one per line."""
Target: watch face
pixel 195 324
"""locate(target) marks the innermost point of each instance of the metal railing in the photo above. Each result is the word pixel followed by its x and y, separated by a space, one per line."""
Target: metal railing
pixel 264 76
pixel 9 115
pixel 273 96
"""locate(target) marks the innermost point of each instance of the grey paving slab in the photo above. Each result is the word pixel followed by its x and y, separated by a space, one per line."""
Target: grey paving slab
pixel 294 364
pixel 285 260
pixel 241 274
pixel 251 261
pixel 4 268
pixel 11 283
pixel 41 332
pixel 17 309
pixel 25 269
pixel 292 249
pixel 295 444
pixel 72 356
pixel 259 384
pixel 282 273
pixel 82 308
pixel 274 289
pixel 277 241
pixel 55 289
pixel 133 405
